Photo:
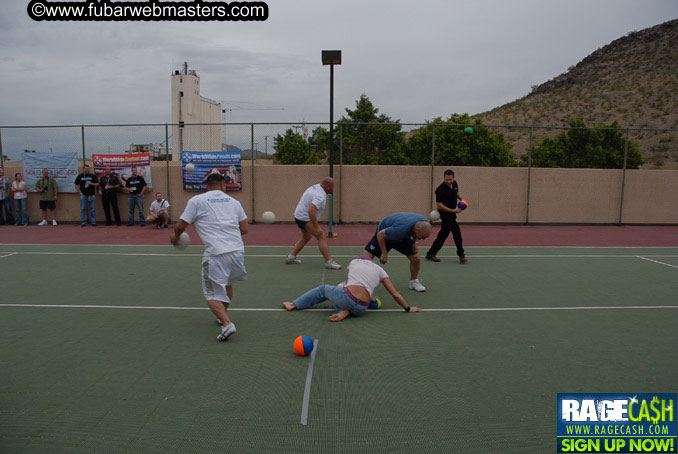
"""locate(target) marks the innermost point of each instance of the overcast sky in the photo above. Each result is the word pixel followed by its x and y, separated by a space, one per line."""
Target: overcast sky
pixel 415 60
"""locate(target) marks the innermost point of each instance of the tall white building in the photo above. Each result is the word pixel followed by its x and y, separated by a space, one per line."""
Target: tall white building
pixel 188 107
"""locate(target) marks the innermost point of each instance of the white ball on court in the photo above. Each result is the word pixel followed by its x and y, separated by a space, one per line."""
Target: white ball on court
pixel 434 215
pixel 268 217
pixel 184 241
pixel 190 167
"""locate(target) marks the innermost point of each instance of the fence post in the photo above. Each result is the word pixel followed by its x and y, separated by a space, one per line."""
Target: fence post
pixel 252 161
pixel 529 180
pixel 167 163
pixel 84 155
pixel 2 158
pixel 341 168
pixel 433 154
pixel 626 154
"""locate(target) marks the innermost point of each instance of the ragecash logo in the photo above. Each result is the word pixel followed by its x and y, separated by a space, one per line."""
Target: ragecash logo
pixel 633 422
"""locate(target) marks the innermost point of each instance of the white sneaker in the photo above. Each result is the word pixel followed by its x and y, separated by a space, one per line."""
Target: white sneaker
pixel 44 222
pixel 226 332
pixel 54 222
pixel 332 265
pixel 294 261
pixel 416 285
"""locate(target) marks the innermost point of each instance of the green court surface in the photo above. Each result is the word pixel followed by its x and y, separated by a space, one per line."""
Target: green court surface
pixel 477 371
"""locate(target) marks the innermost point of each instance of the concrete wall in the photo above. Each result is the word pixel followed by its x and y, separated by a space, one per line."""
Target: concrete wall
pixel 369 193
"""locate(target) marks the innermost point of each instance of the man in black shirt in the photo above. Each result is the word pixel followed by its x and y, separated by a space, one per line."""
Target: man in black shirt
pixel 447 195
pixel 86 184
pixel 109 186
pixel 135 186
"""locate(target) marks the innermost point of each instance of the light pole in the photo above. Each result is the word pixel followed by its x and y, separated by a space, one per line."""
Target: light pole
pixel 331 57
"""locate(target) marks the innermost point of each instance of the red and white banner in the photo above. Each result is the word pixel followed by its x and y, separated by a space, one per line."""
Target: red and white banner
pixel 122 164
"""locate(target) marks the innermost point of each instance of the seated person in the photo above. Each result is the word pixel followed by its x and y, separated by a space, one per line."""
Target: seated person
pixel 159 211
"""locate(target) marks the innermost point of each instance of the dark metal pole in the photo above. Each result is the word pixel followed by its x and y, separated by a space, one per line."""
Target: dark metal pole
pixel 167 163
pixel 433 156
pixel 252 161
pixel 331 145
pixel 626 154
pixel 2 158
pixel 529 179
pixel 84 156
pixel 331 119
pixel 341 167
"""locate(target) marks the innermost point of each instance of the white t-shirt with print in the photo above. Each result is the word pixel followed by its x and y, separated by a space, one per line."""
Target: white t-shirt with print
pixel 217 218
pixel 315 195
pixel 366 274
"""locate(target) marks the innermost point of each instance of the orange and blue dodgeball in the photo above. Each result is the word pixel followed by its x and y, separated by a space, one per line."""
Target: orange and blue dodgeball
pixel 462 204
pixel 303 345
pixel 376 304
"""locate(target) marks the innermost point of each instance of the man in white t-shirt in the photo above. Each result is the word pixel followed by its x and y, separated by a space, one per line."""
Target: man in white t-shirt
pixel 159 211
pixel 354 297
pixel 306 215
pixel 220 221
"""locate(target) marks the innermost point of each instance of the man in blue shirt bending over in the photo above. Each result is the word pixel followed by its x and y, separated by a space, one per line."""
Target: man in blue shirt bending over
pixel 401 231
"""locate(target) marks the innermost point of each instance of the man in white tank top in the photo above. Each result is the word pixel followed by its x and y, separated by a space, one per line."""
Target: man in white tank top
pixel 354 297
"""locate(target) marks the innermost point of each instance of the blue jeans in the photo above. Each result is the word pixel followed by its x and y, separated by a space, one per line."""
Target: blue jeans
pixel 136 200
pixel 84 204
pixel 21 211
pixel 8 207
pixel 335 294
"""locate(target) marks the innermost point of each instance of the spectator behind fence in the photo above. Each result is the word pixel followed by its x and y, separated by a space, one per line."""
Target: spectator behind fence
pixel 19 192
pixel 159 211
pixel 109 186
pixel 47 187
pixel 5 204
pixel 86 184
pixel 135 185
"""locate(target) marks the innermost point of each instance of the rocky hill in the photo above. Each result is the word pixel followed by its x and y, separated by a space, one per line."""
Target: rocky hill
pixel 633 80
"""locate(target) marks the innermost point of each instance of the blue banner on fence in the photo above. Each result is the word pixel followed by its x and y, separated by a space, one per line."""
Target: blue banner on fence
pixel 610 422
pixel 63 167
pixel 197 165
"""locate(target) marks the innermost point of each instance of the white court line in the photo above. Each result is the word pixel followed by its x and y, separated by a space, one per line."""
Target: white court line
pixel 254 309
pixel 8 255
pixel 353 246
pixel 307 388
pixel 400 256
pixel 657 261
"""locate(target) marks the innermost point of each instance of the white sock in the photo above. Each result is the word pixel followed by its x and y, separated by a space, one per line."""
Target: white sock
pixel 292 257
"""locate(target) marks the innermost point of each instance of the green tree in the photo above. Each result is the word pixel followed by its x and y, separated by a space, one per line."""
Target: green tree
pixel 600 147
pixel 291 148
pixel 485 147
pixel 369 142
pixel 320 143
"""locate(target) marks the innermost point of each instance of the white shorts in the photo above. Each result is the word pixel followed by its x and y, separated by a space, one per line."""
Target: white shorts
pixel 218 271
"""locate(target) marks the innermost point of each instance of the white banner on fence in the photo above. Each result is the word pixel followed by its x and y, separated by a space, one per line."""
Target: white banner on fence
pixel 63 167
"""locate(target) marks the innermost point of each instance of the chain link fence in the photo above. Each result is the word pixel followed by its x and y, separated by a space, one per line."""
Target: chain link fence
pixel 410 153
